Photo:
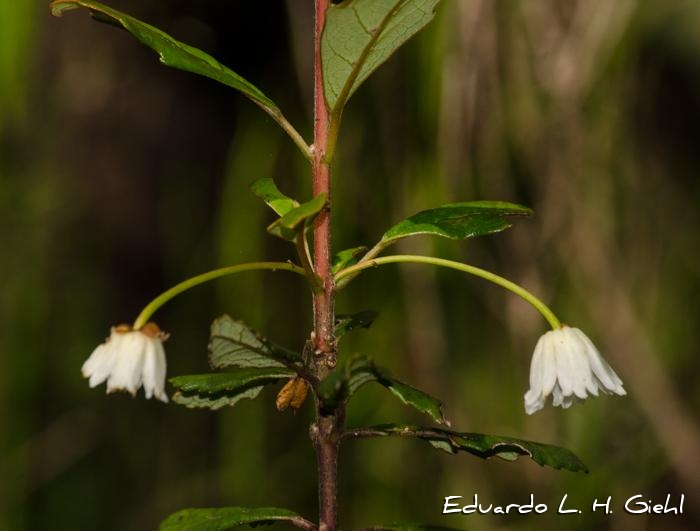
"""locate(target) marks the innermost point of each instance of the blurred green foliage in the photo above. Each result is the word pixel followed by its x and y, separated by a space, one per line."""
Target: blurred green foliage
pixel 119 178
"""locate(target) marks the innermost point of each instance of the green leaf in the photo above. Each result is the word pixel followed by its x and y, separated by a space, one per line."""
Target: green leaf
pixel 217 390
pixel 267 190
pixel 290 223
pixel 345 323
pixel 457 220
pixel 172 52
pixel 224 382
pixel 480 445
pixel 233 344
pixel 360 35
pixel 215 402
pixel 308 210
pixel 343 383
pixel 408 527
pixel 225 518
pixel 347 257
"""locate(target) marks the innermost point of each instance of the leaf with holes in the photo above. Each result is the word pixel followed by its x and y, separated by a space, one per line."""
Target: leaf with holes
pixel 360 35
pixel 479 444
pixel 233 344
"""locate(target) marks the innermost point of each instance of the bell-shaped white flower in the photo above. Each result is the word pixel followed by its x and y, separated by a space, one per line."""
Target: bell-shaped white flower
pixel 567 366
pixel 129 359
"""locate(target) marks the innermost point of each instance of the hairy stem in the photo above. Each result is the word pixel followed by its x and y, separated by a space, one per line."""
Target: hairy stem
pixel 325 434
pixel 323 301
pixel 325 431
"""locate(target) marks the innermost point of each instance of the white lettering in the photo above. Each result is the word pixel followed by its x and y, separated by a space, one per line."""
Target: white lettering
pixel 445 508
pixel 629 504
pixel 561 509
pixel 469 509
pixel 606 505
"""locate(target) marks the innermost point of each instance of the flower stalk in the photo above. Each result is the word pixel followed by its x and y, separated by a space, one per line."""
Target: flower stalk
pixel 521 292
pixel 164 297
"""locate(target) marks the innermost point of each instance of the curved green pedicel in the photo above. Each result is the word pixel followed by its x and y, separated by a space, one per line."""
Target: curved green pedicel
pixel 465 268
pixel 164 297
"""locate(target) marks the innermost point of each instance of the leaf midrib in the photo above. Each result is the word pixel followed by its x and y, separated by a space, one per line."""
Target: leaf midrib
pixel 374 37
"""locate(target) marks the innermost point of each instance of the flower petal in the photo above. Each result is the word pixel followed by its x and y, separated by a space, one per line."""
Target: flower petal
pixel 99 365
pixel 128 359
pixel 548 365
pixel 605 375
pixel 154 368
pixel 128 364
pixel 542 377
pixel 534 401
pixel 582 378
pixel 567 366
pixel 564 364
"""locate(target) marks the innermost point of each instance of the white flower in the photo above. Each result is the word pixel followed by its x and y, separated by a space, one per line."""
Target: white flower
pixel 567 365
pixel 128 359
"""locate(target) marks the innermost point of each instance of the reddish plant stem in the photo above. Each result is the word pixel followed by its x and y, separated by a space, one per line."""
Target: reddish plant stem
pixel 323 300
pixel 325 432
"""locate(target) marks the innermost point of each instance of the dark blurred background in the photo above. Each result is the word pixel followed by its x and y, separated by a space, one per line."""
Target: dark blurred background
pixel 120 177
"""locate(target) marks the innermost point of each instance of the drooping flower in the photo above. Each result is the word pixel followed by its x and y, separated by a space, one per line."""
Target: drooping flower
pixel 129 359
pixel 567 366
